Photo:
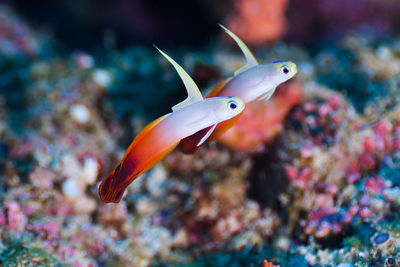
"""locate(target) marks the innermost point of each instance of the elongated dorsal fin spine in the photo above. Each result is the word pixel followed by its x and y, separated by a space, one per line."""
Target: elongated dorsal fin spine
pixel 194 94
pixel 251 61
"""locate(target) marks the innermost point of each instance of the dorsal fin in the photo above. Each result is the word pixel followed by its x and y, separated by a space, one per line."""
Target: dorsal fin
pixel 194 94
pixel 251 61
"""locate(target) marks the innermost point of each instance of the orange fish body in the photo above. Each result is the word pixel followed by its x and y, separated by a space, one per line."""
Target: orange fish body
pixel 161 136
pixel 144 152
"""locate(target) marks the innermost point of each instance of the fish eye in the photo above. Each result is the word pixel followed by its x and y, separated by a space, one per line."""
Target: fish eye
pixel 232 105
pixel 285 69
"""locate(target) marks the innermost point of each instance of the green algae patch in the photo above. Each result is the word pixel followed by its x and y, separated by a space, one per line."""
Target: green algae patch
pixel 18 251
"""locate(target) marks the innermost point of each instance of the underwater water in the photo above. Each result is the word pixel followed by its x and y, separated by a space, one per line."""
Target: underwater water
pixel 309 177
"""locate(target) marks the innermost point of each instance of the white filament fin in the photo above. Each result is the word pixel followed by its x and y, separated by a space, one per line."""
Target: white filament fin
pixel 207 135
pixel 194 94
pixel 267 95
pixel 251 61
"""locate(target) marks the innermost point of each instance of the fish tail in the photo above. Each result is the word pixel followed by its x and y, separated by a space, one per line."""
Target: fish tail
pixel 110 190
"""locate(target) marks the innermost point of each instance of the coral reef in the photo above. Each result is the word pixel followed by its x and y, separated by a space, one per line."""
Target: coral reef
pixel 322 189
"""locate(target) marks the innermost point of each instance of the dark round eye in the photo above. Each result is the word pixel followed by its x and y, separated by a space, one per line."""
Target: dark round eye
pixel 232 105
pixel 285 69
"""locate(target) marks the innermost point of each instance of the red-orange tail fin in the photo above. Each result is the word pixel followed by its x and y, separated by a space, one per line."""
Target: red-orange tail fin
pixel 110 190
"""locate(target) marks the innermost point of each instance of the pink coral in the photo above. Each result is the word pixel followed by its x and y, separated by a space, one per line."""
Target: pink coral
pixel 49 230
pixel 375 184
pixel 298 178
pixel 16 219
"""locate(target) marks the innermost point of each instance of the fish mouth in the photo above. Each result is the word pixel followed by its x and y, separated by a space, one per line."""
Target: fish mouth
pixel 295 69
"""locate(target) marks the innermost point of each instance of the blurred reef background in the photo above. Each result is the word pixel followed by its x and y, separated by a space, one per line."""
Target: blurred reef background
pixel 311 178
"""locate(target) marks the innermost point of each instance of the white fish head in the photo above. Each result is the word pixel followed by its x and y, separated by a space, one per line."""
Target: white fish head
pixel 259 80
pixel 227 107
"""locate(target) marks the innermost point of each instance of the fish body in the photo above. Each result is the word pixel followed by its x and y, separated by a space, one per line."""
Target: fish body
pixel 252 82
pixel 158 139
pixel 161 136
pixel 257 81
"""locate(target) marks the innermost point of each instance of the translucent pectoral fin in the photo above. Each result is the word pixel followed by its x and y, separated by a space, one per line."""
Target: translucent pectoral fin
pixel 207 135
pixel 251 61
pixel 223 127
pixel 266 96
pixel 194 94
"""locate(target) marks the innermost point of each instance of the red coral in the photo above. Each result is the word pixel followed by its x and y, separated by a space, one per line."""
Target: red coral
pixel 258 21
pixel 268 264
pixel 261 121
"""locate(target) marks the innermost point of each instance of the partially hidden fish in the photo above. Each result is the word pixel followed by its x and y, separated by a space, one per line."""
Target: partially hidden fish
pixel 252 82
pixel 161 136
